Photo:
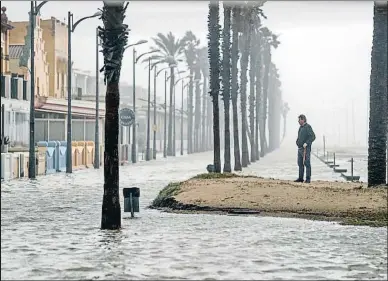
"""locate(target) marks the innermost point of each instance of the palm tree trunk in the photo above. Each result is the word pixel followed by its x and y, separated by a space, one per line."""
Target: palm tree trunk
pixel 170 115
pixel 258 105
pixel 203 115
pixel 114 38
pixel 214 59
pixel 226 83
pixel 190 115
pixel 209 124
pixel 378 98
pixel 252 76
pixel 271 112
pixel 234 88
pixel 243 96
pixel 263 137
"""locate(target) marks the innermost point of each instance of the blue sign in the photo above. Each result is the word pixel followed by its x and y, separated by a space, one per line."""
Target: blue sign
pixel 127 117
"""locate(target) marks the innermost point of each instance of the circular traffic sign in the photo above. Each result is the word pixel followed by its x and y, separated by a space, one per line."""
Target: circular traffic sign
pixel 127 117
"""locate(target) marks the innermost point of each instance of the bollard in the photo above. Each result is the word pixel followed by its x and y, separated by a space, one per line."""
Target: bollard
pixel 131 200
pixel 351 168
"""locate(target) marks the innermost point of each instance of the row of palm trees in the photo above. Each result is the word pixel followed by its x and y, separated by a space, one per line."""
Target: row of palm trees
pixel 246 43
pixel 254 43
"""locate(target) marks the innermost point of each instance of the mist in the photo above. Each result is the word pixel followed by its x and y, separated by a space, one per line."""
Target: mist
pixel 323 60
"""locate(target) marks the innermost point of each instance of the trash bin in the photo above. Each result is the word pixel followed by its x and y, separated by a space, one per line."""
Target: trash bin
pixel 131 200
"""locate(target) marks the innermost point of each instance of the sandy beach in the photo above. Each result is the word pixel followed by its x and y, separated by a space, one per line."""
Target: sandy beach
pixel 350 203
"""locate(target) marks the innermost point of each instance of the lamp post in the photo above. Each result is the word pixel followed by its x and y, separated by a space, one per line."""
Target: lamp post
pixel 174 116
pixel 34 11
pixel 96 131
pixel 135 60
pixel 154 127
pixel 70 29
pixel 165 110
pixel 183 87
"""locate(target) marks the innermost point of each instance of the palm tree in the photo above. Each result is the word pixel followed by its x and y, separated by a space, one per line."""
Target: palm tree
pixel 285 109
pixel 378 97
pixel 273 76
pixel 226 52
pixel 169 51
pixel 245 41
pixel 234 86
pixel 204 64
pixel 114 37
pixel 270 40
pixel 255 78
pixel 197 108
pixel 258 90
pixel 190 51
pixel 214 60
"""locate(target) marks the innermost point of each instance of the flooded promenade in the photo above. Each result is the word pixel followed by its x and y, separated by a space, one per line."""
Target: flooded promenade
pixel 50 230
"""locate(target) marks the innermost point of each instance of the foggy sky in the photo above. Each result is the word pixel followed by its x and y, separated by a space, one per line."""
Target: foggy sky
pixel 323 59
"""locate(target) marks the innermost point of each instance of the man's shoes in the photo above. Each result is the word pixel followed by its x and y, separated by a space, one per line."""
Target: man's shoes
pixel 307 181
pixel 298 180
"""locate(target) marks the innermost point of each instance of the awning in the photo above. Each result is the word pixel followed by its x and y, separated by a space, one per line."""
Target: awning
pixel 76 110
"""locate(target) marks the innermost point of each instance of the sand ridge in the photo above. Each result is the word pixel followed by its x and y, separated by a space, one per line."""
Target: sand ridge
pixel 320 197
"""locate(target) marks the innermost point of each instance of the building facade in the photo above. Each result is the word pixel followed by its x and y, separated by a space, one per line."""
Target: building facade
pixel 20 55
pixel 15 93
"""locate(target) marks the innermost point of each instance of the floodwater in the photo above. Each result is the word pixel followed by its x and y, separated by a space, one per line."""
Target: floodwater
pixel 50 230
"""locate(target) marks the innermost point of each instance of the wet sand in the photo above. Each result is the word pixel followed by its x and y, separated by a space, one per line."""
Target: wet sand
pixel 351 203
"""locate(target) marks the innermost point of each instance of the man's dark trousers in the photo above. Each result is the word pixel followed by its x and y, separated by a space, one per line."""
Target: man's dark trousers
pixel 307 163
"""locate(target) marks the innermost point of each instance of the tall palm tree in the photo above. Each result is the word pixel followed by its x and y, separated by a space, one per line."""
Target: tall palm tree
pixel 378 97
pixel 197 108
pixel 270 40
pixel 273 78
pixel 169 50
pixel 245 41
pixel 190 51
pixel 204 64
pixel 285 109
pixel 114 37
pixel 234 86
pixel 258 90
pixel 255 78
pixel 214 60
pixel 226 52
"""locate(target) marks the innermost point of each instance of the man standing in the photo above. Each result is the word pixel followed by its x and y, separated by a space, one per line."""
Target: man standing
pixel 304 141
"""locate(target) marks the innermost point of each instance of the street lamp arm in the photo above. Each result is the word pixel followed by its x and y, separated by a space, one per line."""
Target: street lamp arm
pixel 84 18
pixel 135 44
pixel 146 53
pixel 37 9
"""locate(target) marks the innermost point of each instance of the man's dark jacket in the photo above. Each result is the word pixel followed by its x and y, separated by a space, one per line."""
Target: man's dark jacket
pixel 305 135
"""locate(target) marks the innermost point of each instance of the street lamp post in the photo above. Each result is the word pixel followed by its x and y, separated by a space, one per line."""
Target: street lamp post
pixel 31 167
pixel 134 129
pixel 165 110
pixel 148 111
pixel 97 132
pixel 154 127
pixel 70 29
pixel 165 116
pixel 180 79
